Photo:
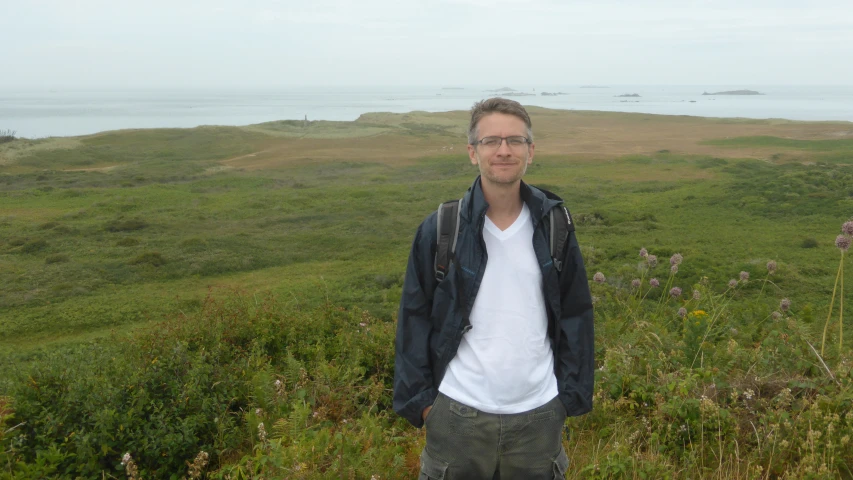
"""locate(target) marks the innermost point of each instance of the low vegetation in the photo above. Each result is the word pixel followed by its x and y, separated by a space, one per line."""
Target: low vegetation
pixel 175 305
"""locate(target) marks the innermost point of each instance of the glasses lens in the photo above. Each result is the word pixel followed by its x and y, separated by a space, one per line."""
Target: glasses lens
pixel 514 142
pixel 490 142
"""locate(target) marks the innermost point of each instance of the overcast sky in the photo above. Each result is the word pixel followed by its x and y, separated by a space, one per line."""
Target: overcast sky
pixel 268 43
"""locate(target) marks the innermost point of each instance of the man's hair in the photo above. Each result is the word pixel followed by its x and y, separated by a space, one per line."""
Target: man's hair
pixel 497 105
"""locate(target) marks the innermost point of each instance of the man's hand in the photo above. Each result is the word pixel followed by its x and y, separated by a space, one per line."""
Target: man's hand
pixel 426 412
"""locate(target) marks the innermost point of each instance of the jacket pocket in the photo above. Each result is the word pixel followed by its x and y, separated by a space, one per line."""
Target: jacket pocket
pixel 431 468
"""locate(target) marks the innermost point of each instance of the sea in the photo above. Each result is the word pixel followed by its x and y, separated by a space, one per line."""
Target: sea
pixel 38 113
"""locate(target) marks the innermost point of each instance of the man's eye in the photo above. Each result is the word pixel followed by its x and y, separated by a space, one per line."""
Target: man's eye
pixel 491 141
pixel 515 141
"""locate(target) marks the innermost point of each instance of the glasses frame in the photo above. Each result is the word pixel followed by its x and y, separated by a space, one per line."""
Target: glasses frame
pixel 479 143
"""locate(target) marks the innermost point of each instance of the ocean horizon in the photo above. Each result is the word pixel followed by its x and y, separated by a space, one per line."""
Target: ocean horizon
pixel 38 113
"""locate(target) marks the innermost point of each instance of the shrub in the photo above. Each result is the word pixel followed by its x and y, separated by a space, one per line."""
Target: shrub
pixel 7 136
pixel 127 242
pixel 34 245
pixel 151 258
pixel 56 258
pixel 119 225
pixel 809 243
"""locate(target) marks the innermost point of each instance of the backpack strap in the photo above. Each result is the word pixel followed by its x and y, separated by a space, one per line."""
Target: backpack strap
pixel 561 225
pixel 447 232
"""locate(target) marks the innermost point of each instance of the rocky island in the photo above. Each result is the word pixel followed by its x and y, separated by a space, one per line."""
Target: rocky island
pixel 553 94
pixel 628 95
pixel 734 92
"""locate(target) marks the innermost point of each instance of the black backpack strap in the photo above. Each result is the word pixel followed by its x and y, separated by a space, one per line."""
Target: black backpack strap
pixel 561 225
pixel 447 232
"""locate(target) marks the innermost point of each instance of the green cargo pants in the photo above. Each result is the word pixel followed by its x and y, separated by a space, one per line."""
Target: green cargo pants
pixel 466 444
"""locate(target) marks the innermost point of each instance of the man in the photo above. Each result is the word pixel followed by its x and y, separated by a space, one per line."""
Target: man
pixel 493 357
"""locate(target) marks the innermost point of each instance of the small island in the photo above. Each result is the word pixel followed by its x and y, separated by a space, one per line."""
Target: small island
pixel 504 89
pixel 734 92
pixel 553 94
pixel 628 95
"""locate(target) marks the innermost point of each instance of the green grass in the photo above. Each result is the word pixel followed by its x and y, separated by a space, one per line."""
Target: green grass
pixel 826 151
pixel 89 258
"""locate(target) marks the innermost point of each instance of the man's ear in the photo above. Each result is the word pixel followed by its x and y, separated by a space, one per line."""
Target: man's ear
pixel 472 154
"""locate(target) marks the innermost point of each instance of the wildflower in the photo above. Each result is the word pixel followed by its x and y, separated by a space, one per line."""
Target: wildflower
pixel 654 282
pixel 644 253
pixel 749 394
pixel 279 387
pixel 598 277
pixel 675 292
pixel 744 277
pixel 696 295
pixel 262 432
pixel 259 412
pixel 698 313
pixel 771 266
pixel 675 259
pixel 197 467
pixel 635 283
pixel 847 228
pixel 315 414
pixel 732 283
pixel 776 315
pixel 673 270
pixel 784 305
pixel 682 312
pixel 842 242
pixel 362 324
pixel 653 260
pixel 130 466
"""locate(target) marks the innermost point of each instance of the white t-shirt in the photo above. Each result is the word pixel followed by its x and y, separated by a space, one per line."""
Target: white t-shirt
pixel 504 363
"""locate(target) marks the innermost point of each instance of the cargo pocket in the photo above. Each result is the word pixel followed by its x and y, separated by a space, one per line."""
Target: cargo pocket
pixel 431 468
pixel 561 465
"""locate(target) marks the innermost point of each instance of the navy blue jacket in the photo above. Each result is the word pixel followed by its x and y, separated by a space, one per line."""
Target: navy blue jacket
pixel 433 316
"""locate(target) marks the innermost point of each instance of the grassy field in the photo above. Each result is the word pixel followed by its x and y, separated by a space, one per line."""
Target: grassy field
pixel 116 244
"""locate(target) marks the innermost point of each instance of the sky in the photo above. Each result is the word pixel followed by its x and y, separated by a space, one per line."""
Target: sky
pixel 284 43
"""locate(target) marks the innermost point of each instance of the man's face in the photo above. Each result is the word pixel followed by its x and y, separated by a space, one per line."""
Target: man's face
pixel 504 165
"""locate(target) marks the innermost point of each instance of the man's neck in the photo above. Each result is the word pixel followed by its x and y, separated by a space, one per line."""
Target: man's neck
pixel 504 201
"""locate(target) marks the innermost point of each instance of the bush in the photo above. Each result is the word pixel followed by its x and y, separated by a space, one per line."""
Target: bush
pixel 151 258
pixel 7 136
pixel 34 245
pixel 119 225
pixel 127 242
pixel 57 258
pixel 809 243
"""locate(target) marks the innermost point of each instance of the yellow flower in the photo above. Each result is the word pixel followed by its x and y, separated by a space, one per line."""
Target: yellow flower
pixel 698 313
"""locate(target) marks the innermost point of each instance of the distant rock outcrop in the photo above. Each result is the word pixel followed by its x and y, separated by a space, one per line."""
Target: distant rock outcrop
pixel 734 92
pixel 504 89
pixel 628 95
pixel 553 94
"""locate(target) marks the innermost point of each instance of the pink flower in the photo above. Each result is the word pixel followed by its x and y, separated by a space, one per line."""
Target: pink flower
pixel 675 292
pixel 653 260
pixel 673 269
pixel 784 305
pixel 682 312
pixel 598 277
pixel 654 282
pixel 635 283
pixel 744 277
pixel 842 242
pixel 676 259
pixel 644 253
pixel 847 228
pixel 776 315
pixel 771 266
pixel 732 283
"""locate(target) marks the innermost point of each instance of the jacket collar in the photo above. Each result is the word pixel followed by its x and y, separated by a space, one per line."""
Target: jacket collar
pixel 539 203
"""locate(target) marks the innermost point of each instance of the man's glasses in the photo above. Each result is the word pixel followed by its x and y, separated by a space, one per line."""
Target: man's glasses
pixel 515 142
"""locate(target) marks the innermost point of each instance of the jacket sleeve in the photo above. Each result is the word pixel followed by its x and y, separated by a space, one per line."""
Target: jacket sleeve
pixel 575 367
pixel 414 388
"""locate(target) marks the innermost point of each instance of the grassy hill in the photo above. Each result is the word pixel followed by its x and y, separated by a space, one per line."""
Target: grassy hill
pixel 141 264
